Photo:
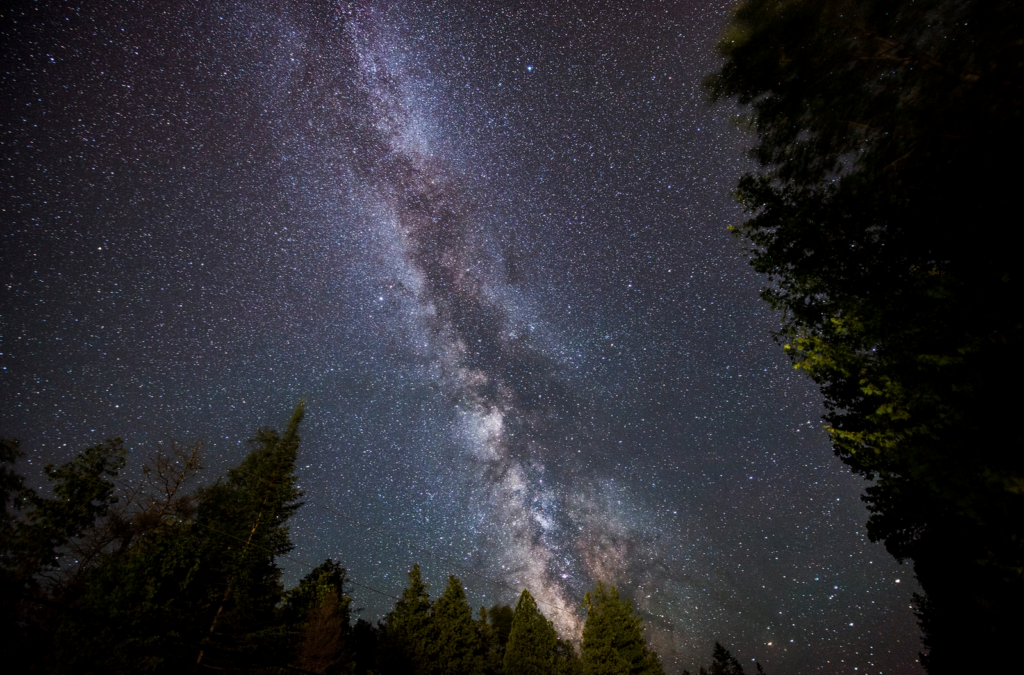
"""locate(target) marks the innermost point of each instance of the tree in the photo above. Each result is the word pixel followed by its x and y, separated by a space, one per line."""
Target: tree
pixel 567 661
pixel 490 652
pixel 613 641
pixel 12 488
pixel 189 572
pixel 135 595
pixel 83 493
pixel 145 575
pixel 243 520
pixel 454 647
pixel 364 647
pixel 407 629
pixel 12 495
pixel 880 126
pixel 724 663
pixel 35 544
pixel 531 640
pixel 319 609
pixel 500 618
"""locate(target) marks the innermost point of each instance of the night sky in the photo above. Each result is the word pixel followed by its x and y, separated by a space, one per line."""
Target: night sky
pixel 487 243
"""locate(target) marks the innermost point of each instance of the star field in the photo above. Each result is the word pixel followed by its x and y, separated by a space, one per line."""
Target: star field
pixel 486 242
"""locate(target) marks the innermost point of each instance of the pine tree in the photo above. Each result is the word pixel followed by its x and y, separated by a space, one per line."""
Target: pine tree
pixel 500 617
pixel 724 663
pixel 364 647
pixel 323 637
pixel 406 630
pixel 613 641
pixel 490 651
pixel 567 660
pixel 455 644
pixel 244 522
pixel 531 641
pixel 318 609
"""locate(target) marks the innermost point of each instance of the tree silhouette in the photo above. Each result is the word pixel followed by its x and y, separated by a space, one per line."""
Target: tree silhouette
pixel 454 647
pixel 531 641
pixel 407 629
pixel 880 129
pixel 613 641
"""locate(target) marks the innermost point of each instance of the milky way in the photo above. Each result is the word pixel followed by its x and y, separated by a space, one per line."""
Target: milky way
pixel 486 242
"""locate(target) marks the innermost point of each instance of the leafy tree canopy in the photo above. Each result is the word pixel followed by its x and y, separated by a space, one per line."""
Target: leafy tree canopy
pixel 881 126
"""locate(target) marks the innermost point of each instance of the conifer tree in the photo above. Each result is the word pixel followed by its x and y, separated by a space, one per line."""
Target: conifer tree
pixel 613 641
pixel 244 524
pixel 318 610
pixel 724 663
pixel 455 644
pixel 407 629
pixel 531 641
pixel 364 647
pixel 567 660
pixel 500 618
pixel 490 652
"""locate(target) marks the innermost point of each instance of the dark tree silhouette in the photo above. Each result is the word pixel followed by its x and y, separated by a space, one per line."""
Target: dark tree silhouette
pixel 531 641
pixel 613 640
pixel 880 214
pixel 407 629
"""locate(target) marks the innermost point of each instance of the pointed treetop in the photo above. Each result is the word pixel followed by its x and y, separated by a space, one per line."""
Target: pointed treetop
pixel 531 641
pixel 613 640
pixel 455 645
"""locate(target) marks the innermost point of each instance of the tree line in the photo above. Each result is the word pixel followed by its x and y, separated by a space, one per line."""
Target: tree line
pixel 168 574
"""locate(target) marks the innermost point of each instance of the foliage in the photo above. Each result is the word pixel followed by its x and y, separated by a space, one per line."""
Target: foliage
pixel 12 495
pixel 407 629
pixel 38 534
pixel 567 661
pixel 724 663
pixel 454 647
pixel 157 575
pixel 83 491
pixel 327 578
pixel 318 609
pixel 500 618
pixel 12 487
pixel 364 647
pixel 879 127
pixel 240 527
pixel 613 641
pixel 531 641
pixel 490 653
pixel 150 574
pixel 135 592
